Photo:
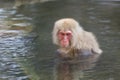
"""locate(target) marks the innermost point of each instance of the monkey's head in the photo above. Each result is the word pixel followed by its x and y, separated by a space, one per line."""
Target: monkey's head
pixel 66 32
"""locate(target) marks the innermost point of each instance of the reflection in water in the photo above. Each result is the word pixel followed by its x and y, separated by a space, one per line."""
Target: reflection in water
pixel 73 69
pixel 9 68
pixel 12 39
pixel 24 2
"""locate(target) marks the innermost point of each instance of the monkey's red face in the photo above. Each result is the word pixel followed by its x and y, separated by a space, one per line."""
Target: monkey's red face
pixel 65 38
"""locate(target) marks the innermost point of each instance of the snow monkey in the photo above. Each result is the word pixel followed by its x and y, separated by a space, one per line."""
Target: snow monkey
pixel 73 40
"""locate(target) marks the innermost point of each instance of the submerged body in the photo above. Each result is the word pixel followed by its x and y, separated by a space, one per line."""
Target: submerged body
pixel 72 68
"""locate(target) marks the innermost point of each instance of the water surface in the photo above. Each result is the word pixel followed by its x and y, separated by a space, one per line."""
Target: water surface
pixel 26 49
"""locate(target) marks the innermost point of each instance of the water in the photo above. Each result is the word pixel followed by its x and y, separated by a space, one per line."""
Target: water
pixel 26 49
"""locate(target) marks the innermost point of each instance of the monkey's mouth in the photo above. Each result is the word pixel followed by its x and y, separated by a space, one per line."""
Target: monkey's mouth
pixel 64 43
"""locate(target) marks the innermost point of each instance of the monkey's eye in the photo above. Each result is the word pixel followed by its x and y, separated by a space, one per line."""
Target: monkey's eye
pixel 68 34
pixel 62 34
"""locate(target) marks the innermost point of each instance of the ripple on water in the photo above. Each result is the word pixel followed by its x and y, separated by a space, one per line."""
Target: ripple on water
pixel 11 42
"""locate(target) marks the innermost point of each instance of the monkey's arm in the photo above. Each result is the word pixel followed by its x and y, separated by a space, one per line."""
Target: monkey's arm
pixel 93 43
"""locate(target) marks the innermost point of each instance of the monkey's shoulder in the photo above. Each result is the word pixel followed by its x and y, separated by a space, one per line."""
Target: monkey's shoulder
pixel 89 35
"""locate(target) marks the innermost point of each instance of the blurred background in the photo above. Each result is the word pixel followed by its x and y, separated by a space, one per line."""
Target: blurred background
pixel 26 48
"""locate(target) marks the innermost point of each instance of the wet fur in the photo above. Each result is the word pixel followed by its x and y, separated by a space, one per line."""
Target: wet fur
pixel 81 39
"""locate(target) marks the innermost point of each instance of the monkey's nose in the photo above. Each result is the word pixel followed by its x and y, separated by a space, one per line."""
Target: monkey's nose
pixel 65 38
